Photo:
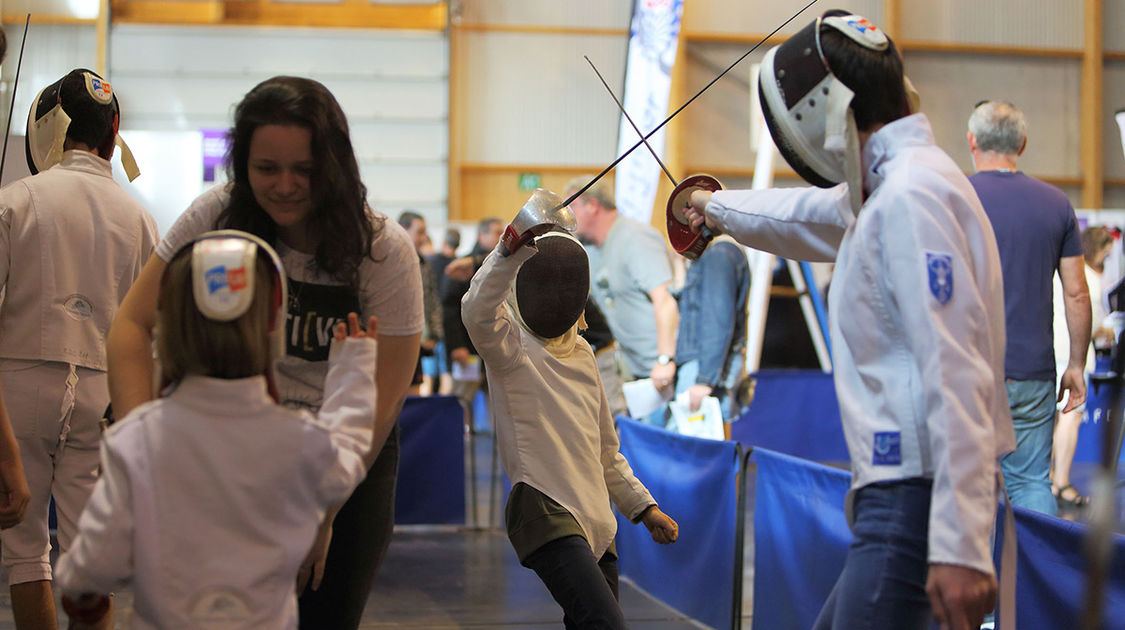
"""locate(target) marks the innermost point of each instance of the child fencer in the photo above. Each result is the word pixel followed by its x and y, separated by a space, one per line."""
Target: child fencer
pixel 557 437
pixel 211 495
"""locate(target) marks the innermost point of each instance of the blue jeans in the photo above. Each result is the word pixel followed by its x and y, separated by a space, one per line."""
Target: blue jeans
pixel 1027 469
pixel 883 584
pixel 584 586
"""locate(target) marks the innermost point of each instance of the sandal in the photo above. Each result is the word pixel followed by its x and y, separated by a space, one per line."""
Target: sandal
pixel 1076 502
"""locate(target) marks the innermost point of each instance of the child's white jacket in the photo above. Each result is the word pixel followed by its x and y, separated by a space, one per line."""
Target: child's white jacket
pixel 210 497
pixel 549 408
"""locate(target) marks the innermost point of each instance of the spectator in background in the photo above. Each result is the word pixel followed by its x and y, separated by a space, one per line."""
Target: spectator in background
pixel 415 226
pixel 457 342
pixel 446 255
pixel 1037 234
pixel 600 338
pixel 1096 244
pixel 439 371
pixel 631 278
pixel 711 341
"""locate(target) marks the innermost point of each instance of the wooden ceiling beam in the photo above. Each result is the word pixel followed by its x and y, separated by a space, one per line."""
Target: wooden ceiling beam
pixel 343 14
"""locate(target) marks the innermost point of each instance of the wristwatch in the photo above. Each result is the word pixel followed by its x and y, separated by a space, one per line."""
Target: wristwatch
pixel 664 359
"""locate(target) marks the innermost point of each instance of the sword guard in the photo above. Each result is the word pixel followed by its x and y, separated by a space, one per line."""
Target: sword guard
pixel 687 243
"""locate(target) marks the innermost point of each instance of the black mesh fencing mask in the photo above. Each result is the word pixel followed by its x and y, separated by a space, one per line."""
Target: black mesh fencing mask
pixel 552 286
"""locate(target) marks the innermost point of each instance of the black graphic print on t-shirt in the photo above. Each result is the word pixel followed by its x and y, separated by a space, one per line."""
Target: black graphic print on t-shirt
pixel 314 310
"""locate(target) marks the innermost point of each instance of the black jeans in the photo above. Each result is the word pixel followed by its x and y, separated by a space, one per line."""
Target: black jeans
pixel 585 587
pixel 360 536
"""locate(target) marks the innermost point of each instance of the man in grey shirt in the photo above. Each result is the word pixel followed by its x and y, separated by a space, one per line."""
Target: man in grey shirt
pixel 631 276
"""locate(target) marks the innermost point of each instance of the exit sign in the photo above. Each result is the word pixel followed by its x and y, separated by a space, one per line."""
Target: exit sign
pixel 530 181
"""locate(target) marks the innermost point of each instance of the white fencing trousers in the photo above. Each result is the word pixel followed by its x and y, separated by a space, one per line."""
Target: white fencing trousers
pixel 56 411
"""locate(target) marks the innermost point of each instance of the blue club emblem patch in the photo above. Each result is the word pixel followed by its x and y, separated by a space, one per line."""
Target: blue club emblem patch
pixel 940 269
pixel 888 449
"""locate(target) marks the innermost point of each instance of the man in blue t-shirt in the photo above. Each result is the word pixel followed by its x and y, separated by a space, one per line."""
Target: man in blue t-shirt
pixel 1037 234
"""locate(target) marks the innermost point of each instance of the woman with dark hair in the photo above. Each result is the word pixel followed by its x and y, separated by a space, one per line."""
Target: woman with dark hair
pixel 294 182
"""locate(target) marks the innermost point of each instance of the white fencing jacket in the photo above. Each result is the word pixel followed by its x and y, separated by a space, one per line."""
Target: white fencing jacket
pixel 916 314
pixel 210 498
pixel 549 408
pixel 72 242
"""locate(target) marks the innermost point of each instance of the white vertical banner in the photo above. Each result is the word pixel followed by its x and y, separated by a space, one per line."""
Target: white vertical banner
pixel 648 81
pixel 1120 116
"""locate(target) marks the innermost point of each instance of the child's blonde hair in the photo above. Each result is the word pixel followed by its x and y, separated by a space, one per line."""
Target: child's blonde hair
pixel 187 342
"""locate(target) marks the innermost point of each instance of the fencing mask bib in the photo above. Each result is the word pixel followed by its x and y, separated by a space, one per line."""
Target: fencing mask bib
pixel 54 110
pixel 553 285
pixel 808 109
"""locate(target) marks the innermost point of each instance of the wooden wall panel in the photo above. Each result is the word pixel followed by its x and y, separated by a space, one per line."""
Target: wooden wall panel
pixel 1113 20
pixel 950 85
pixel 392 86
pixel 51 9
pixel 1043 23
pixel 571 14
pixel 52 51
pixel 717 124
pixel 1114 159
pixel 493 190
pixel 759 18
pixel 532 98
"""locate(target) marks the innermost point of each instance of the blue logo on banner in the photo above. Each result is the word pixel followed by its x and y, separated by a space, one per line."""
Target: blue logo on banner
pixel 940 267
pixel 216 278
pixel 888 451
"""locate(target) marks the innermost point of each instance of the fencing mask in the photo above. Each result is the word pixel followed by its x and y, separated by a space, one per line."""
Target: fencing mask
pixel 81 104
pixel 808 109
pixel 223 274
pixel 552 286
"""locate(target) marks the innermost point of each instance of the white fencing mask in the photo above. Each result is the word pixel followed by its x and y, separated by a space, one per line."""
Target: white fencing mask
pixel 808 109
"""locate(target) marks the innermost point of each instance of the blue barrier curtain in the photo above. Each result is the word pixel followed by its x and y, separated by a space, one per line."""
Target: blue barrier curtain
pixel 694 481
pixel 1051 574
pixel 431 468
pixel 794 412
pixel 1092 432
pixel 800 539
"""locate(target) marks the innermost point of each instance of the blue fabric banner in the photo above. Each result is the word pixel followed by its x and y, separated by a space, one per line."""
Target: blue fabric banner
pixel 1051 576
pixel 694 481
pixel 431 467
pixel 1092 431
pixel 800 538
pixel 794 412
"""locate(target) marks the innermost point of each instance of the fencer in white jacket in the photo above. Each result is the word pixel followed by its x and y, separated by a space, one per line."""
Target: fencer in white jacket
pixel 550 411
pixel 916 317
pixel 210 497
